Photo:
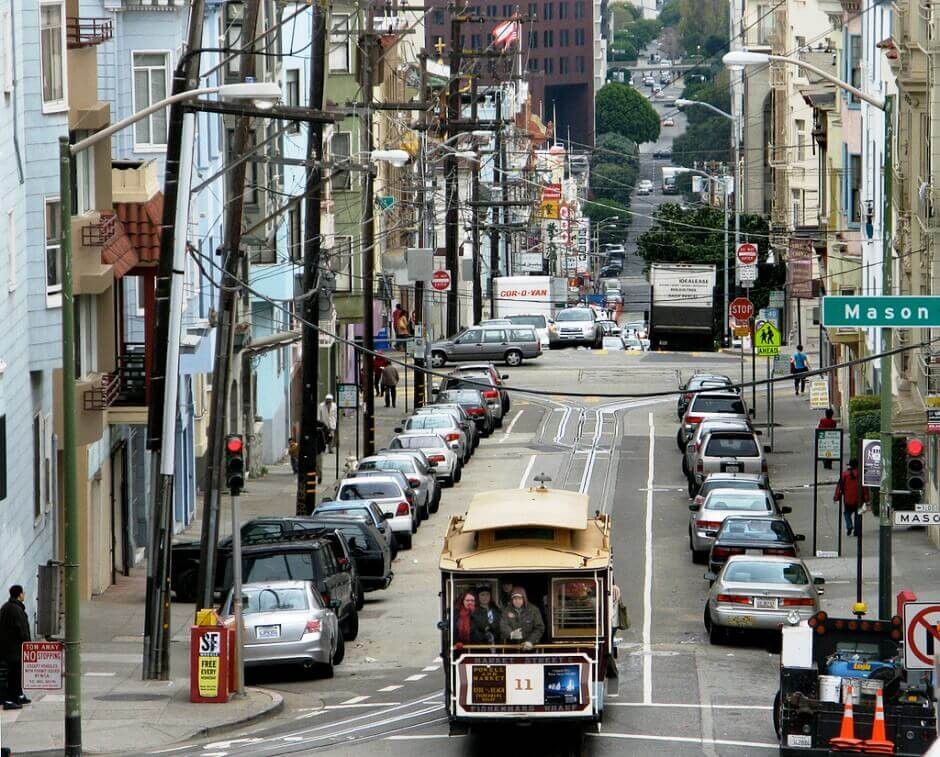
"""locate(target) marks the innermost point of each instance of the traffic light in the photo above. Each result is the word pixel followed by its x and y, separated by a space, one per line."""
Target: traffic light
pixel 915 466
pixel 234 463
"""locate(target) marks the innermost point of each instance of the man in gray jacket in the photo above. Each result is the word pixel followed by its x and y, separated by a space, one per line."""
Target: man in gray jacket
pixel 521 622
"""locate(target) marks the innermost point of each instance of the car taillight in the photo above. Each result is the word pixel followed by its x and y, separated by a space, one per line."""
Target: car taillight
pixel 313 626
pixel 782 551
pixel 733 599
pixel 491 394
pixel 797 602
pixel 708 525
pixel 451 437
pixel 693 420
pixel 414 482
pixel 435 458
pixel 475 411
pixel 726 551
pixel 402 509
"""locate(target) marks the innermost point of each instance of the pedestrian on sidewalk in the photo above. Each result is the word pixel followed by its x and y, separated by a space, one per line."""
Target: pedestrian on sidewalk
pixel 14 630
pixel 799 365
pixel 293 449
pixel 390 384
pixel 825 423
pixel 402 330
pixel 853 496
pixel 378 364
pixel 326 414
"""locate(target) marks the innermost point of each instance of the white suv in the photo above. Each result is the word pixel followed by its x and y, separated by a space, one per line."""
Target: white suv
pixel 576 326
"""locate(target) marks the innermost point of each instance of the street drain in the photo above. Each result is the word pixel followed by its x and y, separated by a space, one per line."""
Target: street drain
pixel 132 697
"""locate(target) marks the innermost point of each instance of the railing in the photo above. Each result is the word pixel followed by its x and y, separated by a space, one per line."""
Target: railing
pixel 87 32
pixel 101 232
pixel 104 394
pixel 127 386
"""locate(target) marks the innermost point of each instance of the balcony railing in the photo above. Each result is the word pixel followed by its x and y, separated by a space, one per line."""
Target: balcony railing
pixel 87 32
pixel 127 386
pixel 98 234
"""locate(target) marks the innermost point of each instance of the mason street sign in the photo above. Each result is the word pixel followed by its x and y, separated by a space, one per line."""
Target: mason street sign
pixel 887 312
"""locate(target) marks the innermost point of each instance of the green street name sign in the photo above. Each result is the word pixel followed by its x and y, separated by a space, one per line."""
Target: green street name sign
pixel 888 312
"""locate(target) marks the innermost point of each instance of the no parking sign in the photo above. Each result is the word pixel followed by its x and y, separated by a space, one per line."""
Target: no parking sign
pixel 921 634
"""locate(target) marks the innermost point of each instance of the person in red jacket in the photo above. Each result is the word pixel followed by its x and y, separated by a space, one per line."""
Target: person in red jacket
pixel 853 496
pixel 826 423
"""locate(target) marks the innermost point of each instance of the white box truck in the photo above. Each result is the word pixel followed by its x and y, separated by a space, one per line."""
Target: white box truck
pixel 682 306
pixel 530 300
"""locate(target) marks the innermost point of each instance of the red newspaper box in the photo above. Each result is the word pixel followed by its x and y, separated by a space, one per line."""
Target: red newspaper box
pixel 209 659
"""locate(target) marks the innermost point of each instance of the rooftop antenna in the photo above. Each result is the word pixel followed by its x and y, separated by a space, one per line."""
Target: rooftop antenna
pixel 541 480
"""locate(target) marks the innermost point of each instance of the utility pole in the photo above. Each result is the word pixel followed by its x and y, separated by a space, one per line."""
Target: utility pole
pixel 225 333
pixel 475 221
pixel 424 235
pixel 368 237
pixel 494 218
pixel 452 191
pixel 308 468
pixel 164 381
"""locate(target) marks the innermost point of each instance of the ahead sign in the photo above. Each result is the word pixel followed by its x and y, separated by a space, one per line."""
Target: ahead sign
pixel 921 634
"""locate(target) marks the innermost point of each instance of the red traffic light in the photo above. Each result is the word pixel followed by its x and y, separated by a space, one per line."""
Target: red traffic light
pixel 915 447
pixel 234 444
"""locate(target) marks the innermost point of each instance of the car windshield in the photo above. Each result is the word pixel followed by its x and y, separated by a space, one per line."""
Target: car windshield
pixel 538 321
pixel 728 484
pixel 256 601
pixel 577 314
pixel 753 502
pixel 766 572
pixel 430 421
pixel 386 464
pixel 416 442
pixel 754 529
pixel 369 490
pixel 741 445
pixel 705 404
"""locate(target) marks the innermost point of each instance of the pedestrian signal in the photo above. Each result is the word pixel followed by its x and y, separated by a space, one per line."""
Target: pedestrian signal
pixel 915 465
pixel 234 464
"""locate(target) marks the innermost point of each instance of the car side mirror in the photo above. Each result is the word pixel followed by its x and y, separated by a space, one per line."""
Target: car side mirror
pixel 767 448
pixel 441 625
pixel 710 576
pixel 778 496
pixel 326 499
pixel 799 537
pixel 693 507
pixel 819 580
pixel 398 429
pixel 786 510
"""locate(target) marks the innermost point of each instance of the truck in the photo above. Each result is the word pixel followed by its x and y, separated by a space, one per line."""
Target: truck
pixel 826 662
pixel 682 306
pixel 530 295
pixel 670 177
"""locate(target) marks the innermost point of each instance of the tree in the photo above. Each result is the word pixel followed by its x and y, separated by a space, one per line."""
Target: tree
pixel 613 148
pixel 703 24
pixel 614 180
pixel 615 216
pixel 705 141
pixel 670 14
pixel 622 109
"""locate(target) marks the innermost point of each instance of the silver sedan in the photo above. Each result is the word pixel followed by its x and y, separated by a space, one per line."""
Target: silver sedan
pixel 286 622
pixel 718 505
pixel 760 593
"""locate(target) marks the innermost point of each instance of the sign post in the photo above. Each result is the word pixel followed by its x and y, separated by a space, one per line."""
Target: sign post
pixel 42 665
pixel 827 446
pixel 921 634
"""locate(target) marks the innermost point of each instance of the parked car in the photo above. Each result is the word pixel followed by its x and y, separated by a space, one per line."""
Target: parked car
pixel 498 378
pixel 417 471
pixel 368 547
pixel 459 414
pixel 481 381
pixel 609 327
pixel 719 504
pixel 665 78
pixel 637 328
pixel 509 344
pixel 662 154
pixel 698 437
pixel 287 622
pixel 474 403
pixel 760 593
pixel 727 405
pixel 447 465
pixel 576 326
pixel 303 556
pixel 698 381
pixel 751 535
pixel 417 498
pixel 669 122
pixel 727 452
pixel 444 424
pixel 388 493
pixel 634 344
pixel 644 187
pixel 364 508
pixel 746 481
pixel 609 270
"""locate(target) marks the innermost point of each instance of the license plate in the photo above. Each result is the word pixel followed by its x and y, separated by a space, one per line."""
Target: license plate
pixel 267 632
pixel 753 551
pixel 765 603
pixel 800 740
pixel 732 467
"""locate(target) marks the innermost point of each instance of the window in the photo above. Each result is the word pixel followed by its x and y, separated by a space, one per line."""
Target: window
pixel 340 152
pixel 340 43
pixel 579 37
pixel 855 188
pixel 797 207
pixel 534 10
pixel 800 139
pixel 341 263
pixel 549 66
pixel 765 24
pixel 494 336
pixel 473 336
pixel 51 53
pixel 574 607
pixel 492 10
pixel 533 64
pixel 292 90
pixel 855 65
pixel 563 38
pixel 295 235
pixel 533 40
pixel 548 12
pixel 563 65
pixel 475 42
pixel 53 227
pixel 11 249
pixel 232 34
pixel 579 9
pixel 507 11
pixel 83 177
pixel 562 10
pixel 579 64
pixel 548 38
pixel 86 331
pixel 150 86
pixel 439 16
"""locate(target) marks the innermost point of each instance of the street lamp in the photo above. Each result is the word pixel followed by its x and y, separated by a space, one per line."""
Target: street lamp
pixel 71 510
pixel 751 58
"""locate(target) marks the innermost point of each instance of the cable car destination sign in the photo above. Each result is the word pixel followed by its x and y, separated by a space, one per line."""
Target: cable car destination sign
pixel 887 312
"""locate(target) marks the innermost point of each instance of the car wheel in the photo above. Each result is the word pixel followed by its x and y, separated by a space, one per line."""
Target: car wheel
pixel 699 557
pixel 360 596
pixel 323 670
pixel 448 481
pixel 499 422
pixel 340 654
pixel 185 585
pixel 425 512
pixel 393 547
pixel 415 522
pixel 685 466
pixel 692 487
pixel 435 505
pixel 598 343
pixel 438 359
pixel 405 540
pixel 717 634
pixel 778 712
pixel 458 474
pixel 680 440
pixel 351 626
pixel 506 405
pixel 513 358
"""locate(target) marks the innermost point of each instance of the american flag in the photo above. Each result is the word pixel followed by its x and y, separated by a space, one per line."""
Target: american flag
pixel 506 33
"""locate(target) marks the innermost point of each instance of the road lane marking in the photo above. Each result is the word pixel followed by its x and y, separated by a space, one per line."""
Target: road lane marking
pixel 431 668
pixel 422 736
pixel 648 575
pixel 357 718
pixel 307 715
pixel 416 677
pixel 509 429
pixel 360 705
pixel 393 687
pixel 355 700
pixel 686 740
pixel 695 706
pixel 528 470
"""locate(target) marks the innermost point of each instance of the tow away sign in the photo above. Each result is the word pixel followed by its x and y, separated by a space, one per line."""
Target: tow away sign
pixel 921 634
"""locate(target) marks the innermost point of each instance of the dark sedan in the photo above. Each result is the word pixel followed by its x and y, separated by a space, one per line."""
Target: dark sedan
pixel 473 402
pixel 751 535
pixel 369 549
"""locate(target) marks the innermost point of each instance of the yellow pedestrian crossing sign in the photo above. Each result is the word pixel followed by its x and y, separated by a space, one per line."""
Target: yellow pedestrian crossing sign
pixel 767 339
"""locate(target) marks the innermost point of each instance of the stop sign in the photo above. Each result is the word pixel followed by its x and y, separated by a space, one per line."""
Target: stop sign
pixel 440 281
pixel 747 253
pixel 741 309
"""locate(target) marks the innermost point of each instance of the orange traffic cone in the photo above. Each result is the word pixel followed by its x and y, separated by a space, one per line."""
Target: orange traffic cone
pixel 846 740
pixel 879 742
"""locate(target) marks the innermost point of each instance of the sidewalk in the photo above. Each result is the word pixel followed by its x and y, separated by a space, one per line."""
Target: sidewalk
pixel 120 712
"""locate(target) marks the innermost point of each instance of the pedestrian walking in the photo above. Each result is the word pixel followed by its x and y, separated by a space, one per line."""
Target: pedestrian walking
pixel 521 622
pixel 827 422
pixel 853 496
pixel 799 365
pixel 390 384
pixel 402 330
pixel 326 414
pixel 378 364
pixel 293 449
pixel 14 630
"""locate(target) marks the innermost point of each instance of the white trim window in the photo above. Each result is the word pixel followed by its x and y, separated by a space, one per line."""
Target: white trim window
pixel 292 95
pixel 52 56
pixel 150 84
pixel 340 154
pixel 53 230
pixel 6 49
pixel 340 52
